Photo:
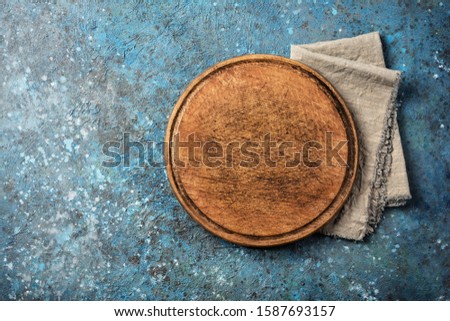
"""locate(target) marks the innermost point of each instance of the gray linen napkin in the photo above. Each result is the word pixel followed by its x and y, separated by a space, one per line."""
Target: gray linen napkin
pixel 356 68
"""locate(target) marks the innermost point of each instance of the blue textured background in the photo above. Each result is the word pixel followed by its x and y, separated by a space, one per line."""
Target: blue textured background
pixel 76 75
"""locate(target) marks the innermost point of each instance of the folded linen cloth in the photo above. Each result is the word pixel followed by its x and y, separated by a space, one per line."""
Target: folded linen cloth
pixel 356 68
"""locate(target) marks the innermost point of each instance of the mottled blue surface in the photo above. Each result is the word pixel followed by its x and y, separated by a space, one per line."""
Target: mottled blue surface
pixel 76 75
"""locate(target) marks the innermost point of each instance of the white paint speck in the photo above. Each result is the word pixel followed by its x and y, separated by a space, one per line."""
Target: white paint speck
pixel 290 31
pixel 71 195
pixel 44 156
pixel 68 144
pixel 84 132
pixel 441 63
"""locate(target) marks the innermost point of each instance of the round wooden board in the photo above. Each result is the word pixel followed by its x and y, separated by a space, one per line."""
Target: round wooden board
pixel 263 150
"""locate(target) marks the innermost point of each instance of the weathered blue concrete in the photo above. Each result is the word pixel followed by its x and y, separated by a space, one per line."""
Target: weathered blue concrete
pixel 74 76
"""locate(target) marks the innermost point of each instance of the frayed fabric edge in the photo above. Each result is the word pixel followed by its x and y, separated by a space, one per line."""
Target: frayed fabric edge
pixel 397 201
pixel 378 192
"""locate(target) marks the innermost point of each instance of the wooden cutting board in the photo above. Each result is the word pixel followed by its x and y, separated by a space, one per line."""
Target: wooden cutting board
pixel 263 150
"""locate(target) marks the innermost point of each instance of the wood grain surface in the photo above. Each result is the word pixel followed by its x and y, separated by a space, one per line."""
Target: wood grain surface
pixel 268 150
